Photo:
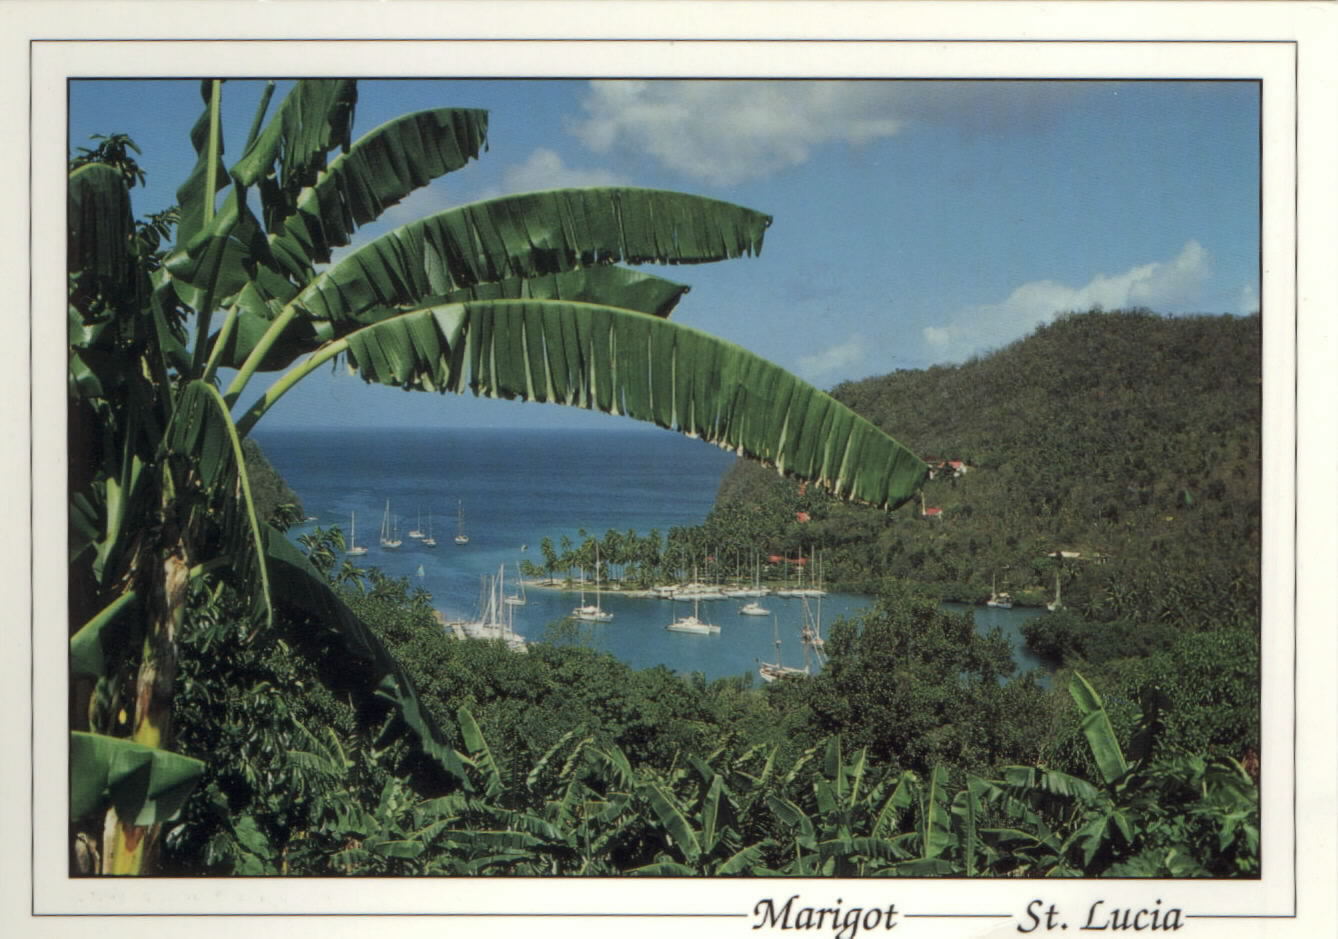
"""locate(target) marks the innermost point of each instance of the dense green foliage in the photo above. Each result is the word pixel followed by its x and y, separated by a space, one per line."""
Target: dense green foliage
pixel 333 727
pixel 581 765
pixel 1116 454
pixel 1121 436
pixel 518 297
pixel 915 752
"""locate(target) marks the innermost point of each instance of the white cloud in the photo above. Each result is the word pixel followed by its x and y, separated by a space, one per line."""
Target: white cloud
pixel 1166 286
pixel 726 132
pixel 729 131
pixel 833 359
pixel 545 169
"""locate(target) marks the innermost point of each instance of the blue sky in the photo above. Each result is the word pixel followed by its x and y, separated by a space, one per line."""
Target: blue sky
pixel 915 222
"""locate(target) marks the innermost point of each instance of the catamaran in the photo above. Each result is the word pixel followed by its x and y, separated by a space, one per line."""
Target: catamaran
pixel 693 624
pixel 354 551
pixel 388 536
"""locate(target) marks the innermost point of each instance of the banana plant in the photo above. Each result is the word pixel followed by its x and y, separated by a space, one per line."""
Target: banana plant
pixel 851 825
pixel 1165 816
pixel 522 297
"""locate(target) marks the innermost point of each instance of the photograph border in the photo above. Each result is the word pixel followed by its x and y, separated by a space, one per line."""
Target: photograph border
pixel 1280 560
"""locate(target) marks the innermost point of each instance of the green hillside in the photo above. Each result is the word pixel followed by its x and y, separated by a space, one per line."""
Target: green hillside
pixel 1128 439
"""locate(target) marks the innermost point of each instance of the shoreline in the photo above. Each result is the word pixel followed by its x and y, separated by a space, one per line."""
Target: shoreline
pixel 559 586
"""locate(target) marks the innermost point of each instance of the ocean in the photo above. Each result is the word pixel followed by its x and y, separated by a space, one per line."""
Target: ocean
pixel 511 488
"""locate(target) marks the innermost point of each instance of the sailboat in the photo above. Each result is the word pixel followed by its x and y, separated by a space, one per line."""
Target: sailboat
pixel 428 541
pixel 517 599
pixel 585 612
pixel 491 623
pixel 770 671
pixel 460 536
pixel 693 624
pixel 1055 604
pixel 354 551
pixel 417 534
pixel 388 538
pixel 1003 601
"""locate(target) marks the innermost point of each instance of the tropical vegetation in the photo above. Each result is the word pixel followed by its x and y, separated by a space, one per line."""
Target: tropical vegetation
pixel 243 702
pixel 171 317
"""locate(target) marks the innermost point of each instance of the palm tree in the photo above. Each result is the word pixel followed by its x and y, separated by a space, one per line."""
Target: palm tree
pixel 521 297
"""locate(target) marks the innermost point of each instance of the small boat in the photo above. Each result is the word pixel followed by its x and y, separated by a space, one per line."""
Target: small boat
pixel 428 541
pixel 754 609
pixel 770 671
pixel 693 624
pixel 460 536
pixel 517 599
pixel 1055 604
pixel 418 534
pixel 586 612
pixel 1003 601
pixel 354 551
pixel 388 536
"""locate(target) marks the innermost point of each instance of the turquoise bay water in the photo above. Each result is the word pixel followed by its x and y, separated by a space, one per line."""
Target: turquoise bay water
pixel 517 487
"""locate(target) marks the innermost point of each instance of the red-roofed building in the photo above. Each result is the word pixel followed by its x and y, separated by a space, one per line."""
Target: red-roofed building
pixel 929 512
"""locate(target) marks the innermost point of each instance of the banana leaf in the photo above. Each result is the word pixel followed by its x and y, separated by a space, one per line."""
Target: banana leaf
pixel 194 202
pixel 1097 728
pixel 202 432
pixel 478 748
pixel 530 235
pixel 315 117
pixel 145 784
pixel 100 224
pixel 937 823
pixel 674 822
pixel 610 285
pixel 600 358
pixel 379 169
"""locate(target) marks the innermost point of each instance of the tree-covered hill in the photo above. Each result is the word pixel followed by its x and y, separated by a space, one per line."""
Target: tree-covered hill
pixel 1129 439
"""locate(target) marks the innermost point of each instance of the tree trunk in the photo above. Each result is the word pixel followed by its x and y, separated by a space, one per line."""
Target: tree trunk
pixel 128 848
